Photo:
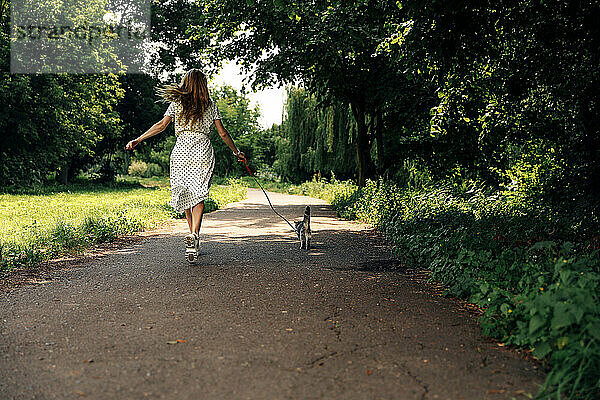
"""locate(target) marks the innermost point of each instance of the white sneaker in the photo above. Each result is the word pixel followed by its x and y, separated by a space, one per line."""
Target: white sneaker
pixel 191 247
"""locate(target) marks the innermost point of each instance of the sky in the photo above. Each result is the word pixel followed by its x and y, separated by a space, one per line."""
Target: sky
pixel 269 100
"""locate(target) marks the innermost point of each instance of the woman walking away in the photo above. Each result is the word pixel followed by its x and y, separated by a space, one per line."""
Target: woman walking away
pixel 193 158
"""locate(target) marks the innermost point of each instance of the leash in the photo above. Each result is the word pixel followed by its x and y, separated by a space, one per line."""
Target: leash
pixel 269 200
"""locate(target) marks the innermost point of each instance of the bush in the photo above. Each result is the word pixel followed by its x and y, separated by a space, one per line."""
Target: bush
pixel 138 168
pixel 153 170
pixel 332 191
pixel 559 318
pixel 144 170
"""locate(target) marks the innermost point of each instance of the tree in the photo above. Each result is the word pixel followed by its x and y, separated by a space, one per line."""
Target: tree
pixel 315 139
pixel 329 46
pixel 508 75
pixel 173 46
pixel 52 123
pixel 241 122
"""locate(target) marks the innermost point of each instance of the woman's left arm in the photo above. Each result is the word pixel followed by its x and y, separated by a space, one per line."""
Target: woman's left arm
pixel 154 130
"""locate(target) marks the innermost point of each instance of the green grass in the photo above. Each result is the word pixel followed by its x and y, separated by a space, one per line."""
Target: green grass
pixel 268 184
pixel 248 181
pixel 154 181
pixel 54 221
pixel 315 188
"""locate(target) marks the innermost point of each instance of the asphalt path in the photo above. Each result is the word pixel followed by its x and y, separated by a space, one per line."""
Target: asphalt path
pixel 255 318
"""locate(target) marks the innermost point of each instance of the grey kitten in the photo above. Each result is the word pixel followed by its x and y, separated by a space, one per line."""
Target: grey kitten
pixel 303 229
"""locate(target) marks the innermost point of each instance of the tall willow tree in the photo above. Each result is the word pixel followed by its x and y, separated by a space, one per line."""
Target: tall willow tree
pixel 316 139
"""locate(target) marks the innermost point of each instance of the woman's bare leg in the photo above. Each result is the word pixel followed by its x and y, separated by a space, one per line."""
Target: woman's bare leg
pixel 197 212
pixel 191 240
pixel 188 216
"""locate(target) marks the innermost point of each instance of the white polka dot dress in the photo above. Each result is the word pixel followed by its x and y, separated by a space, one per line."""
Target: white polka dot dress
pixel 192 159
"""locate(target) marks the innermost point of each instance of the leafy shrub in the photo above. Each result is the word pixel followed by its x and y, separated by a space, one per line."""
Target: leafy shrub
pixel 144 170
pixel 559 318
pixel 138 168
pixel 329 191
pixel 153 170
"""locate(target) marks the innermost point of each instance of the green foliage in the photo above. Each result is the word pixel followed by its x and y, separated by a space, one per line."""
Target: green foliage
pixel 137 168
pixel 158 151
pixel 54 124
pixel 532 268
pixel 138 110
pixel 242 124
pixel 170 23
pixel 504 79
pixel 141 169
pixel 334 191
pixel 474 90
pixel 314 139
pixel 558 316
pixel 330 47
pixel 153 170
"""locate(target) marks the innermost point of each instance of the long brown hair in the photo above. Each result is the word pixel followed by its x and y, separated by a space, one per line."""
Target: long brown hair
pixel 192 92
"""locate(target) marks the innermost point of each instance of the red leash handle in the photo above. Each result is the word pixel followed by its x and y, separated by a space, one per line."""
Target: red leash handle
pixel 269 200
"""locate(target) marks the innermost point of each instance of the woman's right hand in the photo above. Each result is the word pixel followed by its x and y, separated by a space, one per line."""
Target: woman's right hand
pixel 242 157
pixel 131 144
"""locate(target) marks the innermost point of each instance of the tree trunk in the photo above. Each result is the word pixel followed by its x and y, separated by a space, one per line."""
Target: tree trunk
pixel 363 148
pixel 379 137
pixel 63 176
pixel 125 166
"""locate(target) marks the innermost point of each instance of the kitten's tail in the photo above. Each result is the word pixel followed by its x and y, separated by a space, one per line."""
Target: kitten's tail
pixel 307 215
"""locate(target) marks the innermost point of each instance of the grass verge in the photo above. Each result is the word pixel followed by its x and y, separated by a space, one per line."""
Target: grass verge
pixel 248 181
pixel 55 221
